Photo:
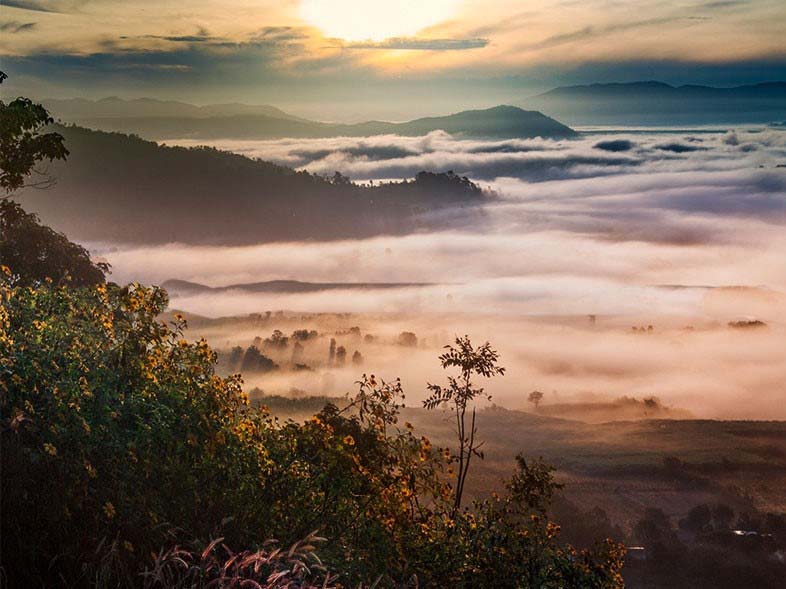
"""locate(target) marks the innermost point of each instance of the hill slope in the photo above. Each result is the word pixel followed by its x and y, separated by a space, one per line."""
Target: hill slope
pixel 119 188
pixel 162 120
pixel 656 103
pixel 75 109
pixel 184 287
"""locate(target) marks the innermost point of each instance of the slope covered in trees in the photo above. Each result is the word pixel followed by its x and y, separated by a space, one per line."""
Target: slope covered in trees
pixel 121 188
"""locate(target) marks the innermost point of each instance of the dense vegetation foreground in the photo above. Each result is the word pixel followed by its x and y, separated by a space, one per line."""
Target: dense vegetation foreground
pixel 121 445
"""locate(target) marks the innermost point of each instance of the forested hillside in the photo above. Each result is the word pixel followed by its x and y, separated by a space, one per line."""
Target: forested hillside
pixel 138 191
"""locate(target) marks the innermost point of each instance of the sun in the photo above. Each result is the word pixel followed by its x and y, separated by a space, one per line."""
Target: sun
pixel 375 20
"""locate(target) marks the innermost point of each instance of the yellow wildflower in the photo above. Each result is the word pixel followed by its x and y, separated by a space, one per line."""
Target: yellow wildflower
pixel 50 449
pixel 91 470
pixel 109 510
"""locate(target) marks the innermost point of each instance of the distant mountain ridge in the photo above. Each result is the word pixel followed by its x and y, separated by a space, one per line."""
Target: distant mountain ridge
pixel 653 86
pixel 184 287
pixel 658 103
pixel 112 107
pixel 160 120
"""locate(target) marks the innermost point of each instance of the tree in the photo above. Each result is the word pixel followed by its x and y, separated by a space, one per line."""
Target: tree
pixel 408 339
pixel 35 253
pixel 23 144
pixel 535 397
pixel 340 180
pixel 332 352
pixel 302 335
pixel 357 358
pixel 255 361
pixel 722 516
pixel 459 394
pixel 341 356
pixel 276 341
pixel 533 484
pixel 235 358
pixel 297 352
pixel 698 520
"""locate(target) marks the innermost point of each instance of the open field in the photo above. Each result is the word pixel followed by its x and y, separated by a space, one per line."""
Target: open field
pixel 621 467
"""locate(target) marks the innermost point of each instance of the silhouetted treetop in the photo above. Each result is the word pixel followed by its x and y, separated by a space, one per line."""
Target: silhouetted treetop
pixel 23 143
pixel 33 252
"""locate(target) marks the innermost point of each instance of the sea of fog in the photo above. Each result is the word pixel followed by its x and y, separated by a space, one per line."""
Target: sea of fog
pixel 684 230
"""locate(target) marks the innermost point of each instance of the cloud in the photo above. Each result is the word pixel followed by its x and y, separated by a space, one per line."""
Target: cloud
pixel 677 147
pixel 615 145
pixel 14 27
pixel 280 34
pixel 418 44
pixel 676 197
pixel 724 4
pixel 589 32
pixel 660 242
pixel 62 6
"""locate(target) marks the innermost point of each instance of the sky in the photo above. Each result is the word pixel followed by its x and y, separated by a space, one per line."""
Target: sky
pixel 346 59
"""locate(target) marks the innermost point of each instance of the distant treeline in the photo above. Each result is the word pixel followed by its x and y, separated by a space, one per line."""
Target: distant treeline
pixel 120 188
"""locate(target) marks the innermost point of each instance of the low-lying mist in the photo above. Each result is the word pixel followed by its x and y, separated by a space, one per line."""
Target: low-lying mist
pixel 618 265
pixel 704 368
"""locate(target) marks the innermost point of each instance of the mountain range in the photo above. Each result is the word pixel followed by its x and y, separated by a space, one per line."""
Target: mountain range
pixel 161 120
pixel 75 109
pixel 656 103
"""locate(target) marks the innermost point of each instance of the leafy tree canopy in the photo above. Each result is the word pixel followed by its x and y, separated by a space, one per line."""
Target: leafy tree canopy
pixel 34 253
pixel 23 143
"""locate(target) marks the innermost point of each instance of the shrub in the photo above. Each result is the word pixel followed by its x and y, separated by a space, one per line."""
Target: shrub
pixel 120 441
pixel 113 426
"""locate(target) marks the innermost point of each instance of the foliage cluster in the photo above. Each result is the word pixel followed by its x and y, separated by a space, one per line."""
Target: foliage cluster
pixel 36 252
pixel 120 441
pixel 23 144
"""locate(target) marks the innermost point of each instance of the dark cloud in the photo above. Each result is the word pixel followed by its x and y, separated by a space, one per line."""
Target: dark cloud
pixel 615 145
pixel 196 56
pixel 201 36
pixel 678 147
pixel 44 5
pixel 14 27
pixel 280 34
pixel 590 32
pixel 724 4
pixel 189 38
pixel 503 147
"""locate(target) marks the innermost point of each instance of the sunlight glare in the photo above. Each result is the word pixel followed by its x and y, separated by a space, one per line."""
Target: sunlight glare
pixel 374 20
